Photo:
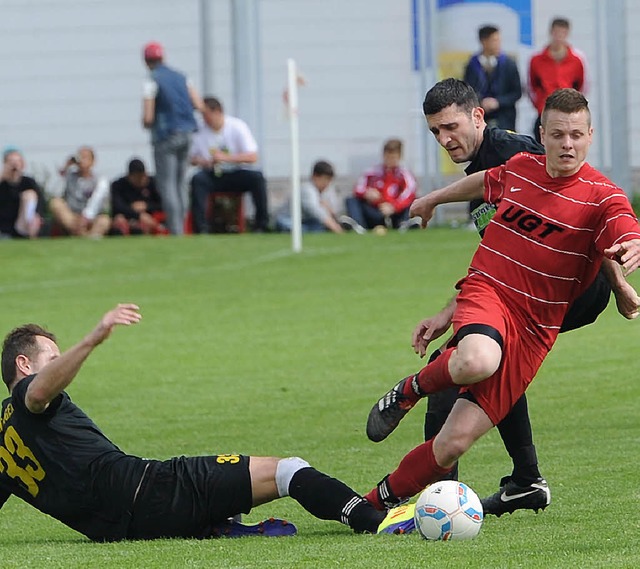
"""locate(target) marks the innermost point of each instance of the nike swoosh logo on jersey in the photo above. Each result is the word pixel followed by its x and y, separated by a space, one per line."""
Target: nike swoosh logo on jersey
pixel 506 498
pixel 514 189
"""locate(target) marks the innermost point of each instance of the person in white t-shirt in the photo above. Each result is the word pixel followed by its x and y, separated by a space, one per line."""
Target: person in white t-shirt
pixel 225 151
pixel 317 212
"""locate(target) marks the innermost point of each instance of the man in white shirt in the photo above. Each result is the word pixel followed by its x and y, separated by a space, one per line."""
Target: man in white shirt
pixel 225 149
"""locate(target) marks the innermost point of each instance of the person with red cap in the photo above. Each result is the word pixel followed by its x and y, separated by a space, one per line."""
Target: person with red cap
pixel 169 100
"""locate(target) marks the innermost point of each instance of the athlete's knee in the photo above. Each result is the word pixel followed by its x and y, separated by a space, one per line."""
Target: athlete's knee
pixel 448 449
pixel 286 470
pixel 477 358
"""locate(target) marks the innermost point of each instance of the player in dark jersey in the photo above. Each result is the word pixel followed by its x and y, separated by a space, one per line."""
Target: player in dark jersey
pixel 55 458
pixel 457 121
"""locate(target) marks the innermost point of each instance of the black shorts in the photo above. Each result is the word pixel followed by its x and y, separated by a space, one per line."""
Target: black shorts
pixel 186 496
pixel 588 306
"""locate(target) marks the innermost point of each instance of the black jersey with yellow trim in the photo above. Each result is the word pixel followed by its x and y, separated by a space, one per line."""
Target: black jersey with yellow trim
pixel 61 463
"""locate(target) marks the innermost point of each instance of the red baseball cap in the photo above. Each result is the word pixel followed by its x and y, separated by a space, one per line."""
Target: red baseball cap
pixel 153 50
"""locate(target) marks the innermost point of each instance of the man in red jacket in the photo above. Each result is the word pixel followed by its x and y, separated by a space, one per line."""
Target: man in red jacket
pixel 557 66
pixel 382 195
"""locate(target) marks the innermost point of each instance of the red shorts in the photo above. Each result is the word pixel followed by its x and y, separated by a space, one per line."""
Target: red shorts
pixel 522 354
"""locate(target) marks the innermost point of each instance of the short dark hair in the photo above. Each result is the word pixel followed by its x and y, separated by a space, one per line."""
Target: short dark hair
pixel 487 31
pixel 322 168
pixel 136 166
pixel 213 104
pixel 560 23
pixel 393 145
pixel 21 340
pixel 566 101
pixel 449 92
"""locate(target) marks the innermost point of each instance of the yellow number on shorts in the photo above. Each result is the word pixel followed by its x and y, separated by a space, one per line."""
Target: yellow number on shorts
pixel 31 472
pixel 228 458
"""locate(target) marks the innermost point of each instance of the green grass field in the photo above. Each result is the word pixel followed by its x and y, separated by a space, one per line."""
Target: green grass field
pixel 246 347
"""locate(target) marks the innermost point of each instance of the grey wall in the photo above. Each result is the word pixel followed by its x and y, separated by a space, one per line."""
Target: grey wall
pixel 72 74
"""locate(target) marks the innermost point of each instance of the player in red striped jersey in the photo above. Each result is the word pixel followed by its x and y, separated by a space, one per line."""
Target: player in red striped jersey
pixel 561 217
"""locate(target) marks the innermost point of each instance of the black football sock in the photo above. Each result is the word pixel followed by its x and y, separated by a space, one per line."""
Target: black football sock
pixel 330 499
pixel 515 430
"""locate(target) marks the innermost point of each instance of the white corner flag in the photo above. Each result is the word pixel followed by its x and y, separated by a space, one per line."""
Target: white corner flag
pixel 291 98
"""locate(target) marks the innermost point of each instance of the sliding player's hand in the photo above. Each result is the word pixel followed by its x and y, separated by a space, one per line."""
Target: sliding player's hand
pixel 121 315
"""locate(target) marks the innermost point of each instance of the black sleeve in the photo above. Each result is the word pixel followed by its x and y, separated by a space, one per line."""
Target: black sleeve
pixel 120 203
pixel 29 183
pixel 19 393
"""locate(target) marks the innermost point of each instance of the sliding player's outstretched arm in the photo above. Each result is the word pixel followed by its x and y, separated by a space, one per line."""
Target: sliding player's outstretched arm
pixel 59 372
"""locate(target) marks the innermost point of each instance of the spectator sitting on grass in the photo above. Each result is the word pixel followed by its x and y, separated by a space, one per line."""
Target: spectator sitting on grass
pixel 317 214
pixel 81 202
pixel 382 195
pixel 136 206
pixel 20 199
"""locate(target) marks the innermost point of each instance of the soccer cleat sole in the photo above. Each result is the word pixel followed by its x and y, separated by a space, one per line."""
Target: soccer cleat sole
pixel 272 527
pixel 534 510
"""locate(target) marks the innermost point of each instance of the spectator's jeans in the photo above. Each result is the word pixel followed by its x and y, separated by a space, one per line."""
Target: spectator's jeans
pixel 172 159
pixel 369 216
pixel 285 223
pixel 206 182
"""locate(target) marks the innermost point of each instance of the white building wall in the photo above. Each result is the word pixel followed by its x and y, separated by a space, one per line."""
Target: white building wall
pixel 72 74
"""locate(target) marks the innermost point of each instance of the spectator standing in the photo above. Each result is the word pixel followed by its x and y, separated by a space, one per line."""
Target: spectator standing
pixel 81 201
pixel 136 206
pixel 225 151
pixel 317 214
pixel 383 194
pixel 169 100
pixel 494 77
pixel 557 66
pixel 21 200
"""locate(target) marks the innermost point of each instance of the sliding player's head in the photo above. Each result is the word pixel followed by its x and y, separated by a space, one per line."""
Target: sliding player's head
pixel 455 118
pixel 26 350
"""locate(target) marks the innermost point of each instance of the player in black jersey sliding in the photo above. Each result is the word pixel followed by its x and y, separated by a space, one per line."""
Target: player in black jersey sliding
pixel 456 119
pixel 56 459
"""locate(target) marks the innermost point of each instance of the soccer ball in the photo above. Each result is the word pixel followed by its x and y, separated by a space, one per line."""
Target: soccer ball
pixel 448 510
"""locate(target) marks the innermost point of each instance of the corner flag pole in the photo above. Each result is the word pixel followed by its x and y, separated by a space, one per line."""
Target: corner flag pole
pixel 296 214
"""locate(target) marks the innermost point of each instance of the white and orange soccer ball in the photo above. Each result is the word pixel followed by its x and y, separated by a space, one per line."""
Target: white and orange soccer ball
pixel 448 510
